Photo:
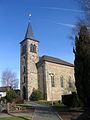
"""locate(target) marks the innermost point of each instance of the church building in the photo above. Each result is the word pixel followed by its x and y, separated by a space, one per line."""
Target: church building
pixel 53 76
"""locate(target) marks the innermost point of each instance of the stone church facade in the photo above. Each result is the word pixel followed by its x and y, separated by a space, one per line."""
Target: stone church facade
pixel 53 76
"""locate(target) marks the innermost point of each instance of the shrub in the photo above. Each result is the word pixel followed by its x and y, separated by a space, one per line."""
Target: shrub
pixel 3 99
pixel 10 95
pixel 36 95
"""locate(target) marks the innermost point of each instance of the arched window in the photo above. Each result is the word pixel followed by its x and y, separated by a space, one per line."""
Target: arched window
pixel 34 48
pixel 31 48
pixel 69 82
pixel 24 79
pixel 62 81
pixel 23 49
pixel 52 80
pixel 24 92
pixel 24 69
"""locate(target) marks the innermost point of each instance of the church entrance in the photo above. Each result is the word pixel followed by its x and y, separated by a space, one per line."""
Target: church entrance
pixel 24 92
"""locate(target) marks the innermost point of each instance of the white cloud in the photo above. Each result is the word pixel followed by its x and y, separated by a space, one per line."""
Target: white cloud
pixel 63 24
pixel 64 9
pixel 67 25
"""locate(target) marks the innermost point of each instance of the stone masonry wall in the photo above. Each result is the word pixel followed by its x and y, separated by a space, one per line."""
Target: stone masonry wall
pixel 42 79
pixel 32 59
pixel 54 93
pixel 29 77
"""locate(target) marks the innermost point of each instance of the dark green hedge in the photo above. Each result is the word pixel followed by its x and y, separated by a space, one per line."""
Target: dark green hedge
pixel 71 100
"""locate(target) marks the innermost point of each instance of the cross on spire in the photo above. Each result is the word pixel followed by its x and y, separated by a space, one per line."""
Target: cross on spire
pixel 30 17
pixel 29 32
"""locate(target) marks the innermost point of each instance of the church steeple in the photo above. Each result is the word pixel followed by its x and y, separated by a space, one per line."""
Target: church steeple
pixel 29 33
pixel 28 59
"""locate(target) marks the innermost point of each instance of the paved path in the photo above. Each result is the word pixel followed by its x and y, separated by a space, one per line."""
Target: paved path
pixel 43 112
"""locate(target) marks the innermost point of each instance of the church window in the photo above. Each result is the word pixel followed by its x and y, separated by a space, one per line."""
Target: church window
pixel 23 49
pixel 24 57
pixel 33 48
pixel 24 79
pixel 62 81
pixel 52 81
pixel 24 92
pixel 24 69
pixel 70 84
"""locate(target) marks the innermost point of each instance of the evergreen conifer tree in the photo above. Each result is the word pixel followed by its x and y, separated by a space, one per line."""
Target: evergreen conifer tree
pixel 82 65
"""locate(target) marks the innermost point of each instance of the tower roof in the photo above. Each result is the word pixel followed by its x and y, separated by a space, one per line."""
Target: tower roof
pixel 29 33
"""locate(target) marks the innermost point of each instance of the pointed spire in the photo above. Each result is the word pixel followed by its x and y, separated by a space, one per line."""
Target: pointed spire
pixel 29 32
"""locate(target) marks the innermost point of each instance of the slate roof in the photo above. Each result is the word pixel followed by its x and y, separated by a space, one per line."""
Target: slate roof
pixel 54 60
pixel 3 89
pixel 29 34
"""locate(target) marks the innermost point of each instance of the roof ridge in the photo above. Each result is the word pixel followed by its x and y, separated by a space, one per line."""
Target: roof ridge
pixel 56 60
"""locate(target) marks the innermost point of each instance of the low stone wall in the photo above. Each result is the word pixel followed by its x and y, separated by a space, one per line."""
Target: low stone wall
pixel 2 106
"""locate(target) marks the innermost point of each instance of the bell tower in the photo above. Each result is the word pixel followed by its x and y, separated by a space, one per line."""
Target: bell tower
pixel 29 56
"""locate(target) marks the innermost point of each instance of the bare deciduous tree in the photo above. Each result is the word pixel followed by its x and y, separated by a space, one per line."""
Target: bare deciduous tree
pixel 9 79
pixel 85 6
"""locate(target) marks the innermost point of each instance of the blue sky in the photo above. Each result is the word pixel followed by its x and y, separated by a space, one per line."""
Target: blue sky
pixel 52 22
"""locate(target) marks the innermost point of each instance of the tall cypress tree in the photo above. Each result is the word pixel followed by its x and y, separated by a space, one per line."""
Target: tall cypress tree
pixel 82 65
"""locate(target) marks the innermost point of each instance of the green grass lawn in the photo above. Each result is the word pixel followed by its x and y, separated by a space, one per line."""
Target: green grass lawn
pixel 15 118
pixel 63 108
pixel 44 102
pixel 60 107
